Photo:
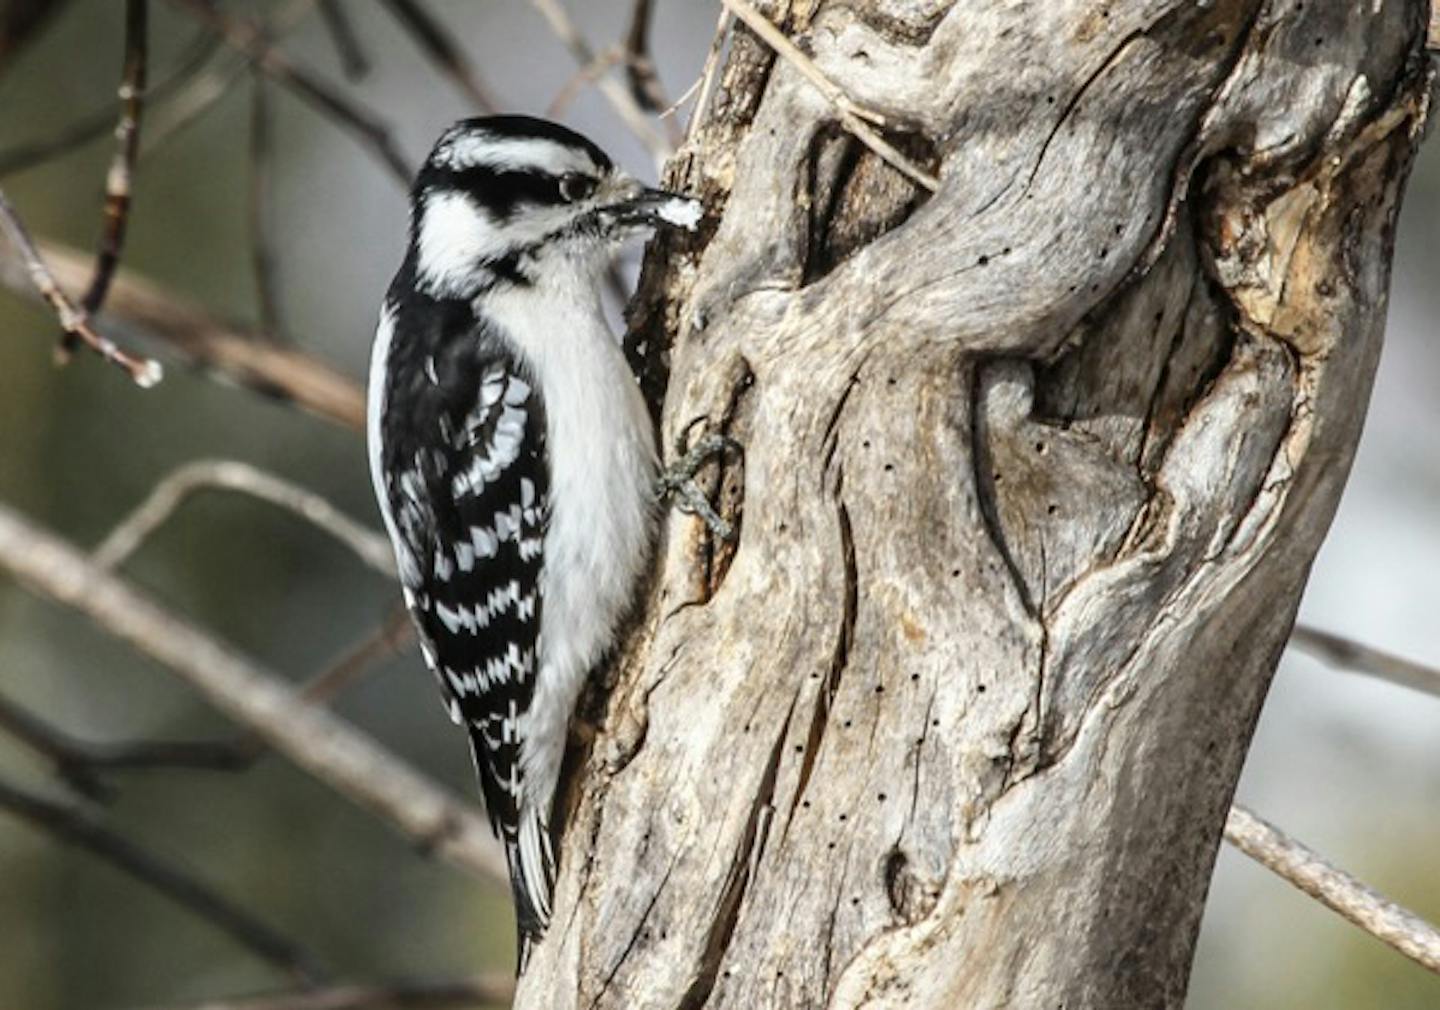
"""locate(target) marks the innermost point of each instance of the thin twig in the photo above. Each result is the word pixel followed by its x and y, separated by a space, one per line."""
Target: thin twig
pixel 78 827
pixel 80 764
pixel 168 122
pixel 145 371
pixel 118 180
pixel 141 308
pixel 101 121
pixel 612 90
pixel 263 261
pixel 442 49
pixel 1333 887
pixel 710 71
pixel 353 63
pixel 483 990
pixel 329 748
pixel 583 78
pixel 246 37
pixel 1344 654
pixel 639 67
pixel 231 475
pixel 853 115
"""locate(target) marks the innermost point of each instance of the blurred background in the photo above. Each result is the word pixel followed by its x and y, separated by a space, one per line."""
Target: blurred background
pixel 1348 764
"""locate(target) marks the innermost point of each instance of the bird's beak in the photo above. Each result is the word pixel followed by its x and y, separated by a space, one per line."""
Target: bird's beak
pixel 641 205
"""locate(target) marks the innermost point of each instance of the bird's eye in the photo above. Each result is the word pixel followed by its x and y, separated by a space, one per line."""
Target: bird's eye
pixel 574 186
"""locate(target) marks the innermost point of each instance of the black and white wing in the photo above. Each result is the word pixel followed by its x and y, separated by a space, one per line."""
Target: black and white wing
pixel 463 454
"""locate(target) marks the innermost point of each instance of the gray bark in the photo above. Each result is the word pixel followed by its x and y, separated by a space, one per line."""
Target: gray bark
pixel 1034 471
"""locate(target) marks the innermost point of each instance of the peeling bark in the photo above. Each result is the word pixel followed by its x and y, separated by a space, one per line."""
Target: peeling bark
pixel 1034 471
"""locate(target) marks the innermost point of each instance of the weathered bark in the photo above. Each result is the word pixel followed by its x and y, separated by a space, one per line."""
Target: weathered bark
pixel 1034 471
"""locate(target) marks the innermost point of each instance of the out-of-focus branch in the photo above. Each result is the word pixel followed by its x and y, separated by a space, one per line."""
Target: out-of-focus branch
pixel 709 72
pixel 482 990
pixel 231 475
pixel 353 63
pixel 263 260
pixel 1333 887
pixel 442 49
pixel 79 764
pixel 314 738
pixel 1353 657
pixel 145 371
pixel 246 37
pixel 612 90
pixel 78 827
pixel 95 124
pixel 141 307
pixel 639 67
pixel 122 166
pixel 856 118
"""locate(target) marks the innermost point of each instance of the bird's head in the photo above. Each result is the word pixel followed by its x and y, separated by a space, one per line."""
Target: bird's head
pixel 502 199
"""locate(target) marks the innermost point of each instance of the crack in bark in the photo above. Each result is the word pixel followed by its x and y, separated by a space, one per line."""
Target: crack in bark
pixel 636 936
pixel 742 865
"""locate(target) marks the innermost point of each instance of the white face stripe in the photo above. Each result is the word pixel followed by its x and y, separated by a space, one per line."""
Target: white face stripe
pixel 474 149
pixel 455 235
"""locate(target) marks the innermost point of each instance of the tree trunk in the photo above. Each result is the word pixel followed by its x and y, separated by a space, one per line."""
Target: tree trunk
pixel 1034 471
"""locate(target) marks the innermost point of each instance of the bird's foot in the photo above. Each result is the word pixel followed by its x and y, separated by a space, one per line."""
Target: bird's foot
pixel 677 482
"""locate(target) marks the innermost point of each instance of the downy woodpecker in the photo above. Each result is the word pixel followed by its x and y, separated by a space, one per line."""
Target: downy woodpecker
pixel 512 454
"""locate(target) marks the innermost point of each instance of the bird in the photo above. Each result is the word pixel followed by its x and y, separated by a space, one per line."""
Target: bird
pixel 513 456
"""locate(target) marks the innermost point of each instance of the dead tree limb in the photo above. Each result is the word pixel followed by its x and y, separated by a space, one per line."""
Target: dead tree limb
pixel 1035 468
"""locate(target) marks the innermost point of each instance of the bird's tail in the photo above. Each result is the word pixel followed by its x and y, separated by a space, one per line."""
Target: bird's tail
pixel 531 858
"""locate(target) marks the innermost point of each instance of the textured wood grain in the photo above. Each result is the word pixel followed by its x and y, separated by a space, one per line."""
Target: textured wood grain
pixel 1035 467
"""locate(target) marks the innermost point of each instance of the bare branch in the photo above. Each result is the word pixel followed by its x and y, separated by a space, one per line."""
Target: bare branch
pixel 851 114
pixel 482 990
pixel 246 37
pixel 144 308
pixel 97 123
pixel 122 165
pixel 315 739
pixel 145 371
pixel 80 764
pixel 442 49
pixel 231 475
pixel 353 63
pixel 613 91
pixel 1334 888
pixel 639 67
pixel 263 260
pixel 709 72
pixel 1345 654
pixel 77 827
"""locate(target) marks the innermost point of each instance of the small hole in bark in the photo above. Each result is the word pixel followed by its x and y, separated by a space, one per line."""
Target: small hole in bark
pixel 1052 509
pixel 890 381
pixel 1049 99
pixel 980 688
pixel 842 818
pixel 1005 251
pixel 889 467
pixel 846 724
pixel 865 444
pixel 879 688
pixel 880 797
pixel 983 260
pixel 1040 448
pixel 805 804
pixel 935 723
pixel 914 677
pixel 799 748
pixel 1104 252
